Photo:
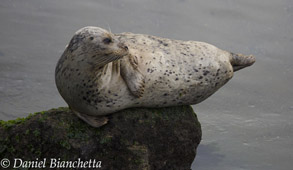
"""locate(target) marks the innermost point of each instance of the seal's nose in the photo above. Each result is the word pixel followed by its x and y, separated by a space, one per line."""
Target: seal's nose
pixel 122 45
pixel 125 47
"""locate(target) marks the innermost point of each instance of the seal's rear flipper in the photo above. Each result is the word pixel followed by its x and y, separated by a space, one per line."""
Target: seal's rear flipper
pixel 95 121
pixel 240 61
pixel 132 76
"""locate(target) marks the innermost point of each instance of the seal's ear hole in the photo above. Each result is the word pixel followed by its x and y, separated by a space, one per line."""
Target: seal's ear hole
pixel 107 40
pixel 91 38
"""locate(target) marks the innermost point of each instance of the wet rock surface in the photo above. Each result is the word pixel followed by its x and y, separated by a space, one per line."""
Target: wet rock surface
pixel 137 138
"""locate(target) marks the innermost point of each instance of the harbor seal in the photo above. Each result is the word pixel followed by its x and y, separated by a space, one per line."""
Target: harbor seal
pixel 101 73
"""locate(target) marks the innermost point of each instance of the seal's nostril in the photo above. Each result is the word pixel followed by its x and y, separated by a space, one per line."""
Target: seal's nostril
pixel 125 47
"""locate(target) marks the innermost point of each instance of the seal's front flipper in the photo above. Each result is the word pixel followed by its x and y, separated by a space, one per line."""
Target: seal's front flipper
pixel 132 75
pixel 95 121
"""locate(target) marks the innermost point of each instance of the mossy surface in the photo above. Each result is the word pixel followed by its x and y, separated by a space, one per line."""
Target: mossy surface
pixel 137 138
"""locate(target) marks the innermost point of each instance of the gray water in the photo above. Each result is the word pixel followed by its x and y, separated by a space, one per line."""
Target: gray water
pixel 247 124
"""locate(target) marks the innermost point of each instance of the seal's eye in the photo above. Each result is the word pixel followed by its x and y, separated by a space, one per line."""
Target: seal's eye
pixel 107 40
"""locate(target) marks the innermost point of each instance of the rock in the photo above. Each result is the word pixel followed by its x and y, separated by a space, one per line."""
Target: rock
pixel 134 139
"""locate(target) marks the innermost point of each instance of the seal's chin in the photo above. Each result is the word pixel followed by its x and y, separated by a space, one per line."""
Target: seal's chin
pixel 110 57
pixel 113 53
pixel 123 49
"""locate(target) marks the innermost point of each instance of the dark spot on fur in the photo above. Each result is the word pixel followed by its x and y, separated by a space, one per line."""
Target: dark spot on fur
pixel 74 42
pixel 200 77
pixel 205 72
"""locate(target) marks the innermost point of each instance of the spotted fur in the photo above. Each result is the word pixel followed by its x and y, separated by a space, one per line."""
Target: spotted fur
pixel 97 77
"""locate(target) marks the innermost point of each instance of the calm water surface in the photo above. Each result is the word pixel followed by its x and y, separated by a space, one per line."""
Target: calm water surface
pixel 247 124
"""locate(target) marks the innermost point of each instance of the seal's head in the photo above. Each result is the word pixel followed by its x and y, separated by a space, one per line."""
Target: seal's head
pixel 95 46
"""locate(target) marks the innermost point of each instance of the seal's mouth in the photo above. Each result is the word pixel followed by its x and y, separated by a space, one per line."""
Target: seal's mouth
pixel 123 50
pixel 123 46
pixel 117 52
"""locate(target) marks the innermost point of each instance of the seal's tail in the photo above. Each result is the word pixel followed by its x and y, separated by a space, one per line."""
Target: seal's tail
pixel 240 61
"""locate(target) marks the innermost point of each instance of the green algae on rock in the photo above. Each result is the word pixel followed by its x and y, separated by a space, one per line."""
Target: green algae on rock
pixel 137 138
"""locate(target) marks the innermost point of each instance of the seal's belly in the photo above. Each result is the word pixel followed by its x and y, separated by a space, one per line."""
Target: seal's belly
pixel 180 85
pixel 178 72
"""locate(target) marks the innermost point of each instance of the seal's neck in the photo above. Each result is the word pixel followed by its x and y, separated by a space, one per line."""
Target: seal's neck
pixel 110 69
pixel 102 60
